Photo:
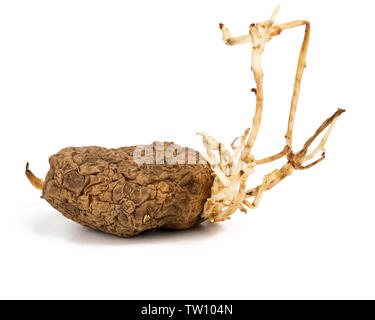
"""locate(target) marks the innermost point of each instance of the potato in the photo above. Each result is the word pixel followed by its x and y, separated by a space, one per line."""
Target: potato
pixel 105 189
pixel 128 190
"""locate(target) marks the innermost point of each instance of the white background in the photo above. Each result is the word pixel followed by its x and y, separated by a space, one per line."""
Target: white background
pixel 117 73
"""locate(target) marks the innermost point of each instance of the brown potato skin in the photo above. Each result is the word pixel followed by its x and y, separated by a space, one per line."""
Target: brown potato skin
pixel 106 190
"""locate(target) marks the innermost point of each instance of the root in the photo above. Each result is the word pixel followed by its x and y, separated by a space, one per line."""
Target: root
pixel 232 171
pixel 36 182
pixel 296 161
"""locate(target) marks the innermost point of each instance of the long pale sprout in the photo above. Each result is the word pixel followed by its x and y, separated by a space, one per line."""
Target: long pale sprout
pixel 229 192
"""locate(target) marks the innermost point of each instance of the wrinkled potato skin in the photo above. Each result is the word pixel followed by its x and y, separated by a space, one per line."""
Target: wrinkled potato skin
pixel 106 190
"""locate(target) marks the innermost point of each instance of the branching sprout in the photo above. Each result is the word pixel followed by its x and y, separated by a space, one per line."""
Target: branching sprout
pixel 232 171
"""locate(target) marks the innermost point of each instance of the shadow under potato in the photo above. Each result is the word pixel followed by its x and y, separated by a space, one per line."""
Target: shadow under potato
pixel 51 224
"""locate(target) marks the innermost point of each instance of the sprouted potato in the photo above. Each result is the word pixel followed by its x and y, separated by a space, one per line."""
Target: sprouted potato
pixel 128 190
